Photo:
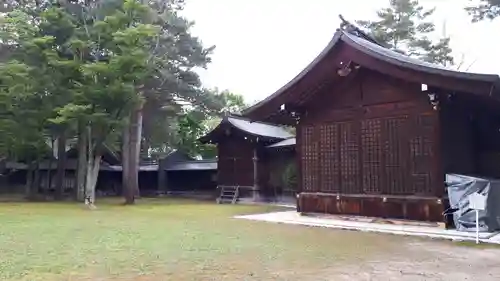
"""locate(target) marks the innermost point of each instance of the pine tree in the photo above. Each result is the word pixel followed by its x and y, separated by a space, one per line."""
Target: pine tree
pixel 484 9
pixel 405 27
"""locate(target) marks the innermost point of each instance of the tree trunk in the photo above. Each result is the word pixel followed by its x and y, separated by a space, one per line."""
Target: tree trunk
pixel 35 187
pixel 61 166
pixel 48 173
pixel 93 165
pixel 125 162
pixel 92 170
pixel 81 169
pixel 134 147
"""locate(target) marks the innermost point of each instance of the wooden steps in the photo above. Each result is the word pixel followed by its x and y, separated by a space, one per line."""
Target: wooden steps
pixel 228 194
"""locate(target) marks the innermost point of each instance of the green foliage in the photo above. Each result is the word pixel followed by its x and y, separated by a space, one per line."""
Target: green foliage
pixel 199 120
pixel 227 102
pixel 404 26
pixel 484 9
pixel 31 79
pixel 291 130
pixel 174 86
pixel 91 62
pixel 290 176
pixel 73 63
pixel 189 130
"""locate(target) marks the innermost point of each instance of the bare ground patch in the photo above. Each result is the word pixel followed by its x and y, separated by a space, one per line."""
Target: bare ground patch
pixel 418 259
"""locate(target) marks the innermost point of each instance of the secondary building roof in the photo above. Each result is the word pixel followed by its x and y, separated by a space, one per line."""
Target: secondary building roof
pixel 285 143
pixel 257 129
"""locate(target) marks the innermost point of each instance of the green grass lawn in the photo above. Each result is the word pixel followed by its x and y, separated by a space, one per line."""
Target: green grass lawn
pixel 160 239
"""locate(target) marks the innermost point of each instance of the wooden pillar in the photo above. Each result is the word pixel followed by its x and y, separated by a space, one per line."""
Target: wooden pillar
pixel 437 168
pixel 437 171
pixel 438 163
pixel 162 176
pixel 255 191
pixel 298 162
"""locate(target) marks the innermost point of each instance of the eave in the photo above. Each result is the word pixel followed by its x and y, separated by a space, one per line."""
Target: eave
pixel 352 49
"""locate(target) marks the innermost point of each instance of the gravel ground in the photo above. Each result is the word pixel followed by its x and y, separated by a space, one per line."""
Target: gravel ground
pixel 426 260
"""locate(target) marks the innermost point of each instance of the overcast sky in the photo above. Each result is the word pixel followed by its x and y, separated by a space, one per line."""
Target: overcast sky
pixel 262 44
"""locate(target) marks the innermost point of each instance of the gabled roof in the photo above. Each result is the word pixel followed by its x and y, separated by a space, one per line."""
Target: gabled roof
pixel 257 129
pixel 372 49
pixel 175 156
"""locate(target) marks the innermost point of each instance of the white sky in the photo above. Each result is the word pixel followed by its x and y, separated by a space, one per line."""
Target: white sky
pixel 262 44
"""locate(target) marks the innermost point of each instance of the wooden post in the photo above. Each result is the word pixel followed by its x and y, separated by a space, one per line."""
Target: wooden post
pixel 437 169
pixel 255 190
pixel 162 177
pixel 298 162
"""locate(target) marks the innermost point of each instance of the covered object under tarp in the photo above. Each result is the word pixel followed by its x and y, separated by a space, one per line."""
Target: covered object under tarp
pixel 459 189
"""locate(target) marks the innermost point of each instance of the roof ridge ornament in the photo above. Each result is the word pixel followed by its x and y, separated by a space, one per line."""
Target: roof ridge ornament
pixel 350 28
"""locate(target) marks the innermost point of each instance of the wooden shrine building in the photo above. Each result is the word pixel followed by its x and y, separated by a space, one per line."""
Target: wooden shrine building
pixel 241 148
pixel 377 131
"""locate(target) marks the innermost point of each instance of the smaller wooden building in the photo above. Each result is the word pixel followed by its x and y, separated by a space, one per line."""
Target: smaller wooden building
pixel 242 160
pixel 174 173
pixel 178 173
pixel 193 178
pixel 18 172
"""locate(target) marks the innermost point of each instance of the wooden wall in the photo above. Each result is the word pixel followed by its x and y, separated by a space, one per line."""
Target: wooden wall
pixel 235 161
pixel 459 136
pixel 375 138
pixel 236 164
pixel 192 180
pixel 470 132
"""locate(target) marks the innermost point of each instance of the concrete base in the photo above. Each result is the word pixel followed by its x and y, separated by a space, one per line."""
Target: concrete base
pixel 293 217
pixel 256 195
pixel 276 201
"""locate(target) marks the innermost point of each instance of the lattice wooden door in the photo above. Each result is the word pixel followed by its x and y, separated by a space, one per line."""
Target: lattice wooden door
pixel 310 164
pixel 329 157
pixel 372 157
pixel 349 145
pixel 395 155
pixel 421 155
